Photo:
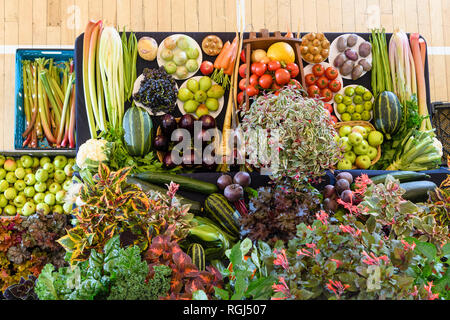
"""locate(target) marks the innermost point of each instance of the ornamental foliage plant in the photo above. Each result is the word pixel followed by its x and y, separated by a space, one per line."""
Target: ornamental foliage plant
pixel 306 135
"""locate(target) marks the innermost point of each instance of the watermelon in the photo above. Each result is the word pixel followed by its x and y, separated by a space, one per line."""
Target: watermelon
pixel 138 131
pixel 387 113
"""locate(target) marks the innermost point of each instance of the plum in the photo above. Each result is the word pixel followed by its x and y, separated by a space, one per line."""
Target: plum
pixel 345 175
pixel 347 196
pixel 342 185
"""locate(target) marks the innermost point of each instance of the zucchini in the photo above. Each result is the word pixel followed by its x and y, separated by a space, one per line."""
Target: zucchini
pixel 221 211
pixel 197 254
pixel 402 176
pixel 196 206
pixel 417 191
pixel 185 183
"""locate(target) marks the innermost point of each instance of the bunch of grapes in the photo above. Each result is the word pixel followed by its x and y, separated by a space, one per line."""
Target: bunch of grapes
pixel 158 91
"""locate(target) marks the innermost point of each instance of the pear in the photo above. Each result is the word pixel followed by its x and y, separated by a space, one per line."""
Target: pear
pixel 192 85
pixel 216 92
pixel 201 111
pixel 212 104
pixel 184 94
pixel 200 96
pixel 190 106
pixel 205 83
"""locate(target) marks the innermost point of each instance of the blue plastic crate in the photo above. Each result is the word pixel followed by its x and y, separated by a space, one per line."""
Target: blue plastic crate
pixel 58 55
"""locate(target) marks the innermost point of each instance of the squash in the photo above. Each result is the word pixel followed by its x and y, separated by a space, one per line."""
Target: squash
pixel 197 254
pixel 220 210
pixel 281 51
pixel 138 131
pixel 387 113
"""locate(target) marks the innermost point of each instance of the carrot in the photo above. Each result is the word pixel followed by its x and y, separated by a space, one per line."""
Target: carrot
pixel 229 70
pixel 230 53
pixel 219 59
pixel 289 34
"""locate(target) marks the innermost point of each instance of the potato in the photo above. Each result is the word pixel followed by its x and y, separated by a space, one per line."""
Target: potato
pixel 351 40
pixel 364 49
pixel 339 60
pixel 341 43
pixel 347 67
pixel 357 71
pixel 351 54
pixel 367 66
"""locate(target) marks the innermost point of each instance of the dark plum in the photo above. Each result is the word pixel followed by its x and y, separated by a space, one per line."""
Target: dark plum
pixel 161 143
pixel 168 161
pixel 168 124
pixel 187 122
pixel 208 122
pixel 342 185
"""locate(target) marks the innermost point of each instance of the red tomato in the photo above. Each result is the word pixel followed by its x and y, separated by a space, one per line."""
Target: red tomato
pixel 254 80
pixel 313 91
pixel 318 70
pixel 334 119
pixel 273 65
pixel 282 76
pixel 265 81
pixel 275 86
pixel 251 91
pixel 240 97
pixel 243 56
pixel 295 83
pixel 310 79
pixel 206 68
pixel 293 69
pixel 331 73
pixel 326 94
pixel 329 107
pixel 243 70
pixel 259 68
pixel 335 85
pixel 242 84
pixel 322 82
pixel 253 67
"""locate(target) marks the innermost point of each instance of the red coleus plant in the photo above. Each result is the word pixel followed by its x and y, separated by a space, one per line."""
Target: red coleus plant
pixel 185 278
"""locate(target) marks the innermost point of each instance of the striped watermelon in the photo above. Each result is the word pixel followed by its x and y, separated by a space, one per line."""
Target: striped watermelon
pixel 387 113
pixel 138 131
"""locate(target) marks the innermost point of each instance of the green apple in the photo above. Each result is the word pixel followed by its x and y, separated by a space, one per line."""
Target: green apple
pixel 44 160
pixel 11 177
pixel 66 185
pixel 67 207
pixel 2 173
pixel 368 105
pixel 10 210
pixel 41 175
pixel 40 187
pixel 344 144
pixel 36 162
pixel 60 195
pixel 58 209
pixel 28 170
pixel 344 164
pixel 356 116
pixel 19 164
pixel 60 176
pixel 39 197
pixel 10 193
pixel 345 130
pixel 367 96
pixel 350 156
pixel 50 199
pixel 346 117
pixel 30 179
pixel 29 192
pixel 28 209
pixel 359 90
pixel 355 138
pixel 60 162
pixel 347 101
pixel 20 185
pixel 361 130
pixel 3 201
pixel 338 98
pixel 4 185
pixel 54 187
pixel 349 91
pixel 10 165
pixel 43 208
pixel 50 167
pixel 362 148
pixel 71 161
pixel 375 138
pixel 2 160
pixel 358 100
pixel 351 109
pixel 68 170
pixel 341 108
pixel 19 201
pixel 365 115
pixel 363 162
pixel 359 108
pixel 27 161
pixel 372 153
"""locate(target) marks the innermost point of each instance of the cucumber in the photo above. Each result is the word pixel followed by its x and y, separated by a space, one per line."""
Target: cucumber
pixel 417 191
pixel 185 183
pixel 196 206
pixel 402 176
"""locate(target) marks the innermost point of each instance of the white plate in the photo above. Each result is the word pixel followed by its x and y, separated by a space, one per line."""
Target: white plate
pixel 213 114
pixel 338 115
pixel 334 52
pixel 162 62
pixel 308 69
pixel 137 85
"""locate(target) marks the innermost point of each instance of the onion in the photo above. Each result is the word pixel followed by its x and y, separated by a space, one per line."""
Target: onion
pixel 147 48
pixel 258 55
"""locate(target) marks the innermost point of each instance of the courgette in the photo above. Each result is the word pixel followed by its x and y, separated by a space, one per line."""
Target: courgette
pixel 402 176
pixel 185 183
pixel 196 206
pixel 417 191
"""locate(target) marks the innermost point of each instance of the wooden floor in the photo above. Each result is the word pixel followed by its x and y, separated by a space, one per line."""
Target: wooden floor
pixel 58 22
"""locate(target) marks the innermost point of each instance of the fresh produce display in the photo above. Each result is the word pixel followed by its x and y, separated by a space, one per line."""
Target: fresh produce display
pixel 180 55
pixel 48 103
pixel 354 103
pixel 323 81
pixel 157 91
pixel 200 96
pixel 315 47
pixel 360 143
pixel 212 45
pixel 352 55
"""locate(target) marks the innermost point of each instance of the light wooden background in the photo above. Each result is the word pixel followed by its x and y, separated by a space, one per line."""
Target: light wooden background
pixel 58 22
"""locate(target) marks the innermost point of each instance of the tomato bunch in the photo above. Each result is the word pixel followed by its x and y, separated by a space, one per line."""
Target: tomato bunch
pixel 323 82
pixel 266 76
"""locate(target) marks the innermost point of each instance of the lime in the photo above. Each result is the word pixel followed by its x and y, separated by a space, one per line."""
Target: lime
pixel 367 96
pixel 368 105
pixel 359 108
pixel 341 108
pixel 365 115
pixel 357 99
pixel 338 98
pixel 347 101
pixel 351 108
pixel 349 91
pixel 359 90
pixel 346 117
pixel 356 116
